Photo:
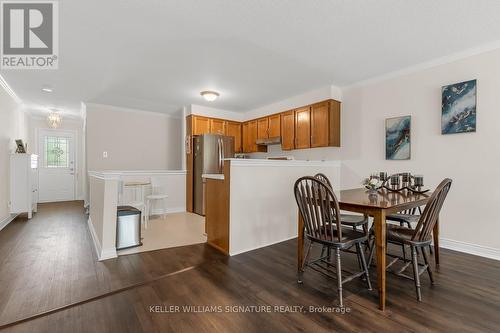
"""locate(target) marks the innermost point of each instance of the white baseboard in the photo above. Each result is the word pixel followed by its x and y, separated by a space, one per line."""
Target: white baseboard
pixel 102 254
pixel 160 211
pixel 478 250
pixel 233 253
pixel 7 220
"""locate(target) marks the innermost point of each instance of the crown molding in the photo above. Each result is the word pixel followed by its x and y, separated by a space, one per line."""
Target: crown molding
pixel 89 107
pixel 9 90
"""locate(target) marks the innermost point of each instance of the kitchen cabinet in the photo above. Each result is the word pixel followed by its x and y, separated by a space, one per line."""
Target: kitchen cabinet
pixel 250 133
pixel 288 130
pixel 319 124
pixel 217 126
pixel 269 127
pixel 244 138
pixel 325 124
pixel 303 128
pixel 234 129
pixel 274 126
pixel 201 125
pixel 262 128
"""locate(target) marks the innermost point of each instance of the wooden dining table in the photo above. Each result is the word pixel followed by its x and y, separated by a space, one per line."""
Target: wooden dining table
pixel 378 205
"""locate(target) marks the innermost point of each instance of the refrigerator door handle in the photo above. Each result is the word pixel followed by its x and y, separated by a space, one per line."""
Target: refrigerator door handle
pixel 219 154
pixel 222 150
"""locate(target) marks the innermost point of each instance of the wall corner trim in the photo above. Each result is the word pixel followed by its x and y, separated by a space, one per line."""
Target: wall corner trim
pixel 102 254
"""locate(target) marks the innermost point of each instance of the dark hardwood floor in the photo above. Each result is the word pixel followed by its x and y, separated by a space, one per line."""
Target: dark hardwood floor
pixel 49 262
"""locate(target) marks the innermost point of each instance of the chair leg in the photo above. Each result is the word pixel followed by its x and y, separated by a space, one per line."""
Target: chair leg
pixel 304 262
pixel 365 267
pixel 415 272
pixel 339 277
pixel 148 208
pixel 372 253
pixel 365 230
pixel 426 261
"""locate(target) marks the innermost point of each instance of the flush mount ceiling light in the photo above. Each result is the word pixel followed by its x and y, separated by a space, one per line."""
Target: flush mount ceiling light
pixel 47 89
pixel 209 95
pixel 54 119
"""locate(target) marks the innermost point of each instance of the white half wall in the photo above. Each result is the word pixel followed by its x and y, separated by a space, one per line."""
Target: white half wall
pixel 258 220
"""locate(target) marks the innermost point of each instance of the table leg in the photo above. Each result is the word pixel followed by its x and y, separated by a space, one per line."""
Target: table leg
pixel 300 243
pixel 435 234
pixel 380 246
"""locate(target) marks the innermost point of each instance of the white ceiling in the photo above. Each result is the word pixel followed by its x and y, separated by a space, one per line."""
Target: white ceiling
pixel 158 55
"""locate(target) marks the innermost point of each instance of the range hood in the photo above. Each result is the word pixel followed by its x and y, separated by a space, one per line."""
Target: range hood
pixel 269 141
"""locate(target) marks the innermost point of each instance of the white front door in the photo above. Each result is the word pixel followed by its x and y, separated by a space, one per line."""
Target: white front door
pixel 56 165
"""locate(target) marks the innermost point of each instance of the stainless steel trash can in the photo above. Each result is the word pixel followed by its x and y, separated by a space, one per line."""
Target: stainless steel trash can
pixel 128 227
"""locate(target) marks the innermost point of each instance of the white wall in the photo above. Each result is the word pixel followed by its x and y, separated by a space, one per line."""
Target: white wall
pixel 134 139
pixel 12 126
pixel 37 123
pixel 470 214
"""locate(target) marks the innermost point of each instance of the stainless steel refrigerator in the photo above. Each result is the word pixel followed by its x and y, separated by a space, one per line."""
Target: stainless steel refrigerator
pixel 209 153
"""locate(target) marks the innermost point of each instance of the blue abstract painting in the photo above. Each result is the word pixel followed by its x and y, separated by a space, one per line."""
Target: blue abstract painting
pixel 458 108
pixel 397 138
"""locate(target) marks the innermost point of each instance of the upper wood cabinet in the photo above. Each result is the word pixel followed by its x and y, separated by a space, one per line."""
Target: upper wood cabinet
pixel 262 128
pixel 244 138
pixel 325 124
pixel 303 127
pixel 201 125
pixel 250 132
pixel 274 126
pixel 288 130
pixel 234 129
pixel 217 126
pixel 252 136
pixel 319 124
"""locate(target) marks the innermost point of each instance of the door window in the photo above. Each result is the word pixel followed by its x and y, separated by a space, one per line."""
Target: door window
pixel 56 150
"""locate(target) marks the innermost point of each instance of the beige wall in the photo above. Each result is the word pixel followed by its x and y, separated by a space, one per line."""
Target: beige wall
pixel 12 126
pixel 134 140
pixel 470 214
pixel 37 123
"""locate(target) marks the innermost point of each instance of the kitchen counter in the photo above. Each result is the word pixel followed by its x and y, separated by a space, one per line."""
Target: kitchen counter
pixel 254 205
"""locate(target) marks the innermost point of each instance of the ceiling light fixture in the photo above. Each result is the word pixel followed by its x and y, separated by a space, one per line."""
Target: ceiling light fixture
pixel 54 119
pixel 47 89
pixel 209 95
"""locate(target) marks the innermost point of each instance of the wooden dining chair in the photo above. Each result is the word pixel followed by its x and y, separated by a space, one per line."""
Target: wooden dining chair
pixel 418 238
pixel 348 220
pixel 319 209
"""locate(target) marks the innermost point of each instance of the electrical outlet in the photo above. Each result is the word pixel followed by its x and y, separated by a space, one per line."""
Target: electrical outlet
pixel 105 154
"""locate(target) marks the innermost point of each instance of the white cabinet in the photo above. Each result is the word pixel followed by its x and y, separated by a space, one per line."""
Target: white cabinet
pixel 23 183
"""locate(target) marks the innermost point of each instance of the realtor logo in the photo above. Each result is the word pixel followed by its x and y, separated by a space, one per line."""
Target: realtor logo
pixel 29 34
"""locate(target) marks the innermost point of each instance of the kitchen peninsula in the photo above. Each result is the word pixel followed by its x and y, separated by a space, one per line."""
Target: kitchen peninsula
pixel 252 205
